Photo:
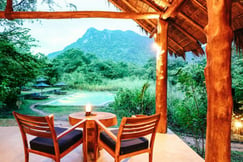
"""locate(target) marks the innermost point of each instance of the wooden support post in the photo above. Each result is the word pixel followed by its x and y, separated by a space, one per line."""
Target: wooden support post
pixel 9 6
pixel 8 9
pixel 218 81
pixel 161 74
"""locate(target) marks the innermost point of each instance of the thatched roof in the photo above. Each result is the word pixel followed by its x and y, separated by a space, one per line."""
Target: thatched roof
pixel 187 20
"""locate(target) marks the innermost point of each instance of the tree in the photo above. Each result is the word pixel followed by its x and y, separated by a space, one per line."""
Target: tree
pixel 17 65
pixel 150 69
pixel 191 112
pixel 237 81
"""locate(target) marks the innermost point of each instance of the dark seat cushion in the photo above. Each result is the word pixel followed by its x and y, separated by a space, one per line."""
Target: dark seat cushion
pixel 127 146
pixel 46 144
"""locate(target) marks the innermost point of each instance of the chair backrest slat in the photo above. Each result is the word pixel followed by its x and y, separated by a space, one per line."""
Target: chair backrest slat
pixel 134 120
pixel 31 118
pixel 38 124
pixel 36 132
pixel 138 127
pixel 136 134
pixel 33 125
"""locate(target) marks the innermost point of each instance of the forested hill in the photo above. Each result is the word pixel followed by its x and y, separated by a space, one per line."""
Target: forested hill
pixel 116 45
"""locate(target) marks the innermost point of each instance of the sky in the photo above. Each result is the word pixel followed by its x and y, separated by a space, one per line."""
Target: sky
pixel 53 35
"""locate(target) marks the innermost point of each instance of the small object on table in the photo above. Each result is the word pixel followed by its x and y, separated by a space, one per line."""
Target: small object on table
pixel 88 110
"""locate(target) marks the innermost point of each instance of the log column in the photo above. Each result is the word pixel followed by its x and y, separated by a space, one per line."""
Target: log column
pixel 218 81
pixel 9 9
pixel 161 74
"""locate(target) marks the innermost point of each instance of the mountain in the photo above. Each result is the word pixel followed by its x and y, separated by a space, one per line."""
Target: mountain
pixel 116 45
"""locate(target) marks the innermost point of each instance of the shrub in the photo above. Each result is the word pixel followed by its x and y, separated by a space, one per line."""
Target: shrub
pixel 134 101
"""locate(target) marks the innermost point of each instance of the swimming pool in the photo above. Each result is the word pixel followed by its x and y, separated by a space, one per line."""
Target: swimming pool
pixel 83 98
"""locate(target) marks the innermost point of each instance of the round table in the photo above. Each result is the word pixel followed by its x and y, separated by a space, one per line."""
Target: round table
pixel 90 128
pixel 106 118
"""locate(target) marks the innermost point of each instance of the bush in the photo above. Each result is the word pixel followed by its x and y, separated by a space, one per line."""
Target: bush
pixel 134 101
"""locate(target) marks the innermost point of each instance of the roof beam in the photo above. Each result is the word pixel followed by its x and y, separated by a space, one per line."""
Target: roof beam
pixel 177 52
pixel 171 49
pixel 170 12
pixel 137 21
pixel 191 22
pixel 135 10
pixel 77 14
pixel 184 32
pixel 173 41
pixel 154 5
pixel 165 3
pixel 200 6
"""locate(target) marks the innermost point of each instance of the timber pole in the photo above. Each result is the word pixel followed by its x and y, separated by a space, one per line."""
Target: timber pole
pixel 218 81
pixel 161 74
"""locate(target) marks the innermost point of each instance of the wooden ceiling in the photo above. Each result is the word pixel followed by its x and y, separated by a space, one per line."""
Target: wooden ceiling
pixel 187 20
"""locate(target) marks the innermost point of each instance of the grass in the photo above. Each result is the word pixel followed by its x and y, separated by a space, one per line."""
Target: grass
pixel 115 84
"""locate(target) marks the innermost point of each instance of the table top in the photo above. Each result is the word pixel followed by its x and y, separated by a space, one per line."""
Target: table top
pixel 108 119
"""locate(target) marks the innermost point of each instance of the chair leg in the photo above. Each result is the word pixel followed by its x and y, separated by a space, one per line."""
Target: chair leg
pixel 150 157
pixel 96 152
pixel 116 159
pixel 26 153
pixel 57 158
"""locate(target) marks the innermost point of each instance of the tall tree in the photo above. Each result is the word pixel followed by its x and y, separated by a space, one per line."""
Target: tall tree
pixel 17 65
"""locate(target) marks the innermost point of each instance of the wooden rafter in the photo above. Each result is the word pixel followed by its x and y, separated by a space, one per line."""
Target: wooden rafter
pixel 135 10
pixel 165 3
pixel 137 21
pixel 200 6
pixel 184 32
pixel 170 12
pixel 78 14
pixel 153 5
pixel 176 51
pixel 191 21
pixel 171 49
pixel 158 9
pixel 177 44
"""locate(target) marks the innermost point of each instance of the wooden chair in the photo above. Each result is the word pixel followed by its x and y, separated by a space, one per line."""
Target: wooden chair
pixel 49 141
pixel 129 139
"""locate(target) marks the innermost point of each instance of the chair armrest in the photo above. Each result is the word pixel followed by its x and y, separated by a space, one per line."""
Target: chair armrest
pixel 70 129
pixel 106 130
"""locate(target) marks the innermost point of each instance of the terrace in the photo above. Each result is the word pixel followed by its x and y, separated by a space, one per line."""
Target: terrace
pixel 179 26
pixel 168 147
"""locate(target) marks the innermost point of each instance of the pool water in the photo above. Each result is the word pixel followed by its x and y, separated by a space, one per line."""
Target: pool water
pixel 84 98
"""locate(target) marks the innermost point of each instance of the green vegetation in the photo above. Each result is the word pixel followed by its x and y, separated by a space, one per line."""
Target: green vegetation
pixel 236 156
pixel 187 113
pixel 84 71
pixel 129 102
pixel 17 65
pixel 113 45
pixel 134 83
